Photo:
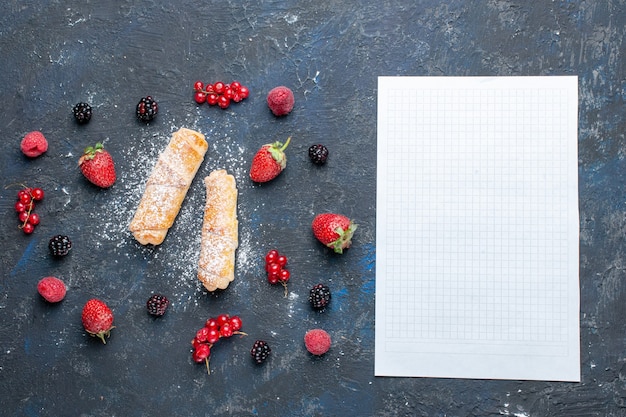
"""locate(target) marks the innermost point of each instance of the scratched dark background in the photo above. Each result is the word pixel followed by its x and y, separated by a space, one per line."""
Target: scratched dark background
pixel 55 54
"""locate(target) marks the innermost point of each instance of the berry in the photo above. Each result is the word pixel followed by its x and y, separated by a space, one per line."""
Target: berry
pixel 211 323
pixel 226 330
pixel 213 335
pixel 280 100
pixel 202 334
pixel 212 99
pixel 319 297
pixel 157 304
pixel 82 112
pixel 219 93
pixel 202 352
pixel 52 289
pixel 271 256
pixel 20 207
pixel 317 341
pixel 214 328
pixel 34 144
pixel 28 228
pixel 147 109
pixel 97 319
pixel 59 245
pixel 334 230
pixel 318 154
pixel 33 219
pixel 218 87
pixel 37 194
pixel 200 97
pixel 269 161
pixel 223 101
pixel 97 166
pixel 236 323
pixel 275 267
pixel 260 351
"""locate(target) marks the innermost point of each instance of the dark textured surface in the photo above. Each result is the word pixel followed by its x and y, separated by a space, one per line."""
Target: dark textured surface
pixel 55 54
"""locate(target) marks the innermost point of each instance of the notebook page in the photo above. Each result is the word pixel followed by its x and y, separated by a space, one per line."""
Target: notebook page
pixel 477 228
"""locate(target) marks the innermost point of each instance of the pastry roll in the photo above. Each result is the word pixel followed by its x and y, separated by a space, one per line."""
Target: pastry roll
pixel 167 186
pixel 216 266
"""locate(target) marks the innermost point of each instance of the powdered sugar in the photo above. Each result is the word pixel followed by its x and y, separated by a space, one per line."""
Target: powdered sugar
pixel 175 262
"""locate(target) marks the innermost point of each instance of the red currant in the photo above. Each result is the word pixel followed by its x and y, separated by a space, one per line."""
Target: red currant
pixel 218 87
pixel 198 86
pixel 236 323
pixel 200 97
pixel 272 279
pixel 271 256
pixel 212 99
pixel 226 330
pixel 284 275
pixel 20 207
pixel 222 319
pixel 37 194
pixel 201 352
pixel 274 268
pixel 211 323
pixel 235 86
pixel 24 197
pixel 213 336
pixel 223 102
pixel 228 92
pixel 244 92
pixel 201 335
pixel 23 216
pixel 34 219
pixel 28 228
pixel 282 260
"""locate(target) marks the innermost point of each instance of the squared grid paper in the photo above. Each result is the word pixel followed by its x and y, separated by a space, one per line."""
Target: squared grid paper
pixel 477 228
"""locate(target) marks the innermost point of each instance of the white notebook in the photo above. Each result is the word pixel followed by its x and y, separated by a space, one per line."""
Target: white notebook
pixel 477 228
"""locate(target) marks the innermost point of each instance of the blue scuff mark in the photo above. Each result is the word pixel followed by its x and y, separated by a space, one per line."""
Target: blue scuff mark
pixel 27 345
pixel 25 259
pixel 368 261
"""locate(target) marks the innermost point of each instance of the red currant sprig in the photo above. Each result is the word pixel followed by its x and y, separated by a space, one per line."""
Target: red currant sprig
pixel 213 330
pixel 219 93
pixel 24 207
pixel 275 266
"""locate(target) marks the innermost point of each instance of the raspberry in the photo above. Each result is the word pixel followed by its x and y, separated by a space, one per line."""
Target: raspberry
pixel 59 245
pixel 147 109
pixel 319 297
pixel 260 351
pixel 52 289
pixel 318 154
pixel 157 304
pixel 82 112
pixel 317 341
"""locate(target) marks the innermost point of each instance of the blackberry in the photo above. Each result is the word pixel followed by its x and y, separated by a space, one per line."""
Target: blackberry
pixel 318 154
pixel 319 296
pixel 147 109
pixel 82 112
pixel 157 304
pixel 260 351
pixel 60 245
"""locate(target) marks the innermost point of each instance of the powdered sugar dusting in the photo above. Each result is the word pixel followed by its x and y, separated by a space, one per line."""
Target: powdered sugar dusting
pixel 173 264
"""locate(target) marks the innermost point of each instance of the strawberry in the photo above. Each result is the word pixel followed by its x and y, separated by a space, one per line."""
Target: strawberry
pixel 333 230
pixel 97 319
pixel 269 161
pixel 97 166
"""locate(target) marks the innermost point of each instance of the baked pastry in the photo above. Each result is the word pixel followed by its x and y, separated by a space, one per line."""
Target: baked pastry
pixel 167 186
pixel 220 234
